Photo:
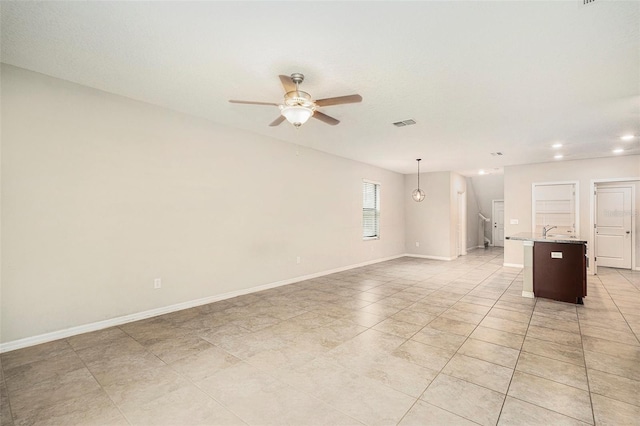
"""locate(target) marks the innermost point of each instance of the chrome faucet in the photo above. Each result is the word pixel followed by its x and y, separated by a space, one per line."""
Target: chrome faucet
pixel 545 230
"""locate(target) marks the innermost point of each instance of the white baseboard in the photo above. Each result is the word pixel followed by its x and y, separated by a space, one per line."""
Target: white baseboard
pixel 528 294
pixel 513 265
pixel 99 325
pixel 424 256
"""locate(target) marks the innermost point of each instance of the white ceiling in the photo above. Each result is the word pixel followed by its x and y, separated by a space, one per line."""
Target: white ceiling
pixel 477 76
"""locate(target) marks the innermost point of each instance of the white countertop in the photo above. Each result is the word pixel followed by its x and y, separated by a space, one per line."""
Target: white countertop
pixel 550 238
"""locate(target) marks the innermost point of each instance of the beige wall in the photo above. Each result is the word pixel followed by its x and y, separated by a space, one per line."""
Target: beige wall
pixel 102 194
pixel 517 192
pixel 431 221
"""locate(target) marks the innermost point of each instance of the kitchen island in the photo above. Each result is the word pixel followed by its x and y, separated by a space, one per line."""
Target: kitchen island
pixel 555 266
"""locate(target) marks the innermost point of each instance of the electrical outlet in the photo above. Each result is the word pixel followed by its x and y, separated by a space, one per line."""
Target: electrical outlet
pixel 417 244
pixel 298 259
pixel 157 283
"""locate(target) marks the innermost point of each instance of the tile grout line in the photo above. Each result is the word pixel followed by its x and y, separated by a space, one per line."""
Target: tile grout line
pixel 617 307
pixel 247 361
pixel 467 338
pixel 409 338
pixel 517 360
pixel 586 371
pixel 583 350
pixel 535 375
pixel 98 382
pixel 508 290
pixel 440 371
pixel 4 383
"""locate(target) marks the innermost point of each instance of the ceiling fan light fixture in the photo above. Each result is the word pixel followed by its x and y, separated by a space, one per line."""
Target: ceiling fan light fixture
pixel 418 194
pixel 296 114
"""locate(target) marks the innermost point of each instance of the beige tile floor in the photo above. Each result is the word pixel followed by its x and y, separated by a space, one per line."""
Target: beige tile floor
pixel 408 341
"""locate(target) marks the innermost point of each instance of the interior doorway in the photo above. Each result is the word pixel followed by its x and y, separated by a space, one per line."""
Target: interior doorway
pixel 497 214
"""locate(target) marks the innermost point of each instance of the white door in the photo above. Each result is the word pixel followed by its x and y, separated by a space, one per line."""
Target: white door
pixel 613 227
pixel 498 223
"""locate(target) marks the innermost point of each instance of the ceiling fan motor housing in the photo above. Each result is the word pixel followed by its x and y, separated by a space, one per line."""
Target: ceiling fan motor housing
pixel 299 98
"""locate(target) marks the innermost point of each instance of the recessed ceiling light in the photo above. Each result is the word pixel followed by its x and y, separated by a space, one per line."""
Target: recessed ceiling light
pixel 558 156
pixel 482 172
pixel 618 151
pixel 556 145
pixel 628 137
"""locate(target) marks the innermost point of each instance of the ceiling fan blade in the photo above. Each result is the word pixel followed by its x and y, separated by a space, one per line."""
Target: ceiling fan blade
pixel 277 121
pixel 233 101
pixel 325 118
pixel 350 99
pixel 287 83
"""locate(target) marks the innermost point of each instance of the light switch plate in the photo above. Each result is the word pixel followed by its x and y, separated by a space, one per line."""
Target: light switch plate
pixel 513 222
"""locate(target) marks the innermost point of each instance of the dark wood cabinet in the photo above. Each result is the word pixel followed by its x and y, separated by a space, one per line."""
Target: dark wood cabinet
pixel 560 271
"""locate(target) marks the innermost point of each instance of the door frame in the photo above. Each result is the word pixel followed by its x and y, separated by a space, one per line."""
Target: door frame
pixel 593 265
pixel 493 218
pixel 461 226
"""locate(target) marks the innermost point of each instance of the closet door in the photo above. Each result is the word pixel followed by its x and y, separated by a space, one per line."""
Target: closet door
pixel 613 227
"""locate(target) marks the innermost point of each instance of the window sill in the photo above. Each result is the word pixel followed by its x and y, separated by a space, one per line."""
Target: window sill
pixel 370 238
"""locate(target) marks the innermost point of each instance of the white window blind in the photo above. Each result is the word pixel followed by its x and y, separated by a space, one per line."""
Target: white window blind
pixel 370 210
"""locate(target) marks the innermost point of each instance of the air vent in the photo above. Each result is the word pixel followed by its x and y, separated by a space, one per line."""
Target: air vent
pixel 403 123
pixel 496 154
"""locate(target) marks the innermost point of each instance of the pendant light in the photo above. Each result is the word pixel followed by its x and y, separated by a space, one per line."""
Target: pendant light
pixel 418 194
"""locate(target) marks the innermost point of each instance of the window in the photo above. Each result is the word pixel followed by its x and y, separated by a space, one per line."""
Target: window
pixel 370 210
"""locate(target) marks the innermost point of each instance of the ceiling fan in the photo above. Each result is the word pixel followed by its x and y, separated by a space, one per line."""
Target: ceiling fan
pixel 298 106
